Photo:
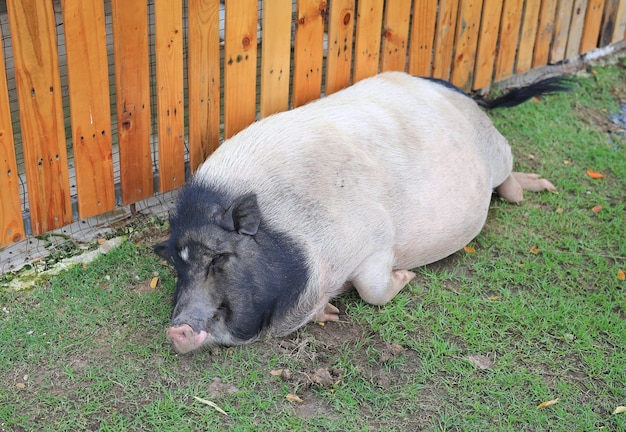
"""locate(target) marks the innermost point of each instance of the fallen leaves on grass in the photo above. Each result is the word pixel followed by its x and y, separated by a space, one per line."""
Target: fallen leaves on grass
pixel 621 275
pixel 547 403
pixel 469 249
pixel 534 249
pixel 481 362
pixel 620 410
pixel 595 174
pixel 493 298
pixel 596 209
pixel 211 404
pixel 154 282
pixel 293 398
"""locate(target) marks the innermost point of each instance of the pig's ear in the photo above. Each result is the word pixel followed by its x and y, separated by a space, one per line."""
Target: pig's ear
pixel 161 250
pixel 244 215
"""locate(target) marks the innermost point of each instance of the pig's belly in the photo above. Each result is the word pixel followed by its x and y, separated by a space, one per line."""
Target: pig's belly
pixel 440 220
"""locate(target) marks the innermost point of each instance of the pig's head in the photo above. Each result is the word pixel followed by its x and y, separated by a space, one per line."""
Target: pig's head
pixel 237 278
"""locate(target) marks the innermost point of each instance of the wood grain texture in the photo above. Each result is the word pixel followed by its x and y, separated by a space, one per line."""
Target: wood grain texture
pixel 203 72
pixel 11 223
pixel 276 56
pixel 132 85
pixel 561 30
pixel 168 28
pixel 444 39
pixel 367 42
pixel 87 69
pixel 509 38
pixel 308 51
pixel 41 113
pixel 240 51
pixel 422 37
pixel 395 35
pixel 340 41
pixel 487 43
pixel 593 23
pixel 576 28
pixel 528 36
pixel 466 43
pixel 545 31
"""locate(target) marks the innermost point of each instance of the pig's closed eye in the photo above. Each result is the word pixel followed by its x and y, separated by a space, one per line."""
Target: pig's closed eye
pixel 217 262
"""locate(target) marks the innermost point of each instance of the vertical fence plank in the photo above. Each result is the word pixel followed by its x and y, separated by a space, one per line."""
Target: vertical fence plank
pixel 444 39
pixel 468 25
pixel 422 36
pixel 41 113
pixel 132 84
pixel 340 40
pixel 367 42
pixel 168 29
pixel 561 30
pixel 395 35
pixel 576 28
pixel 203 73
pixel 509 38
pixel 545 31
pixel 275 56
pixel 528 35
pixel 487 43
pixel 240 50
pixel 87 68
pixel 11 224
pixel 593 22
pixel 308 51
pixel 619 32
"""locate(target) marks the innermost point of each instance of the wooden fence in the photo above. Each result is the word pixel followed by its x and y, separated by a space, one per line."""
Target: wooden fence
pixel 212 76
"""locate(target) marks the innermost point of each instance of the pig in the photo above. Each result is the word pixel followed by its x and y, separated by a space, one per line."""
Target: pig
pixel 353 190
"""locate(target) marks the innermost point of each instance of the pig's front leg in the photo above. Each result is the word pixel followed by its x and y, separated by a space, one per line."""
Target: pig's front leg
pixel 329 313
pixel 514 186
pixel 377 283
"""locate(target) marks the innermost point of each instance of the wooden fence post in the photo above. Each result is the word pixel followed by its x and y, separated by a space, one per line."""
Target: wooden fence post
pixel 41 113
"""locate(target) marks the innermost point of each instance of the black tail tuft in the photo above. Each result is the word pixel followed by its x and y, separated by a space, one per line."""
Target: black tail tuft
pixel 520 95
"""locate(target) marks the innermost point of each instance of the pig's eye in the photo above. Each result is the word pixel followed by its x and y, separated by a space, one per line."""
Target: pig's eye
pixel 217 262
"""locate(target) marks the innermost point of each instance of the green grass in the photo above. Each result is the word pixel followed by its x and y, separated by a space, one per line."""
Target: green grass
pixel 540 297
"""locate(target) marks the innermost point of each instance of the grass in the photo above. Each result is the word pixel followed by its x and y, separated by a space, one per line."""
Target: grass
pixel 538 302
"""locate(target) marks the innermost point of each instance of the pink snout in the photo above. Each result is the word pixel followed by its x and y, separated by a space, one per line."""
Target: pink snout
pixel 185 339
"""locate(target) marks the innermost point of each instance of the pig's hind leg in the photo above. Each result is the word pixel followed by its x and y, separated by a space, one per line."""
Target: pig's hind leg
pixel 376 281
pixel 514 186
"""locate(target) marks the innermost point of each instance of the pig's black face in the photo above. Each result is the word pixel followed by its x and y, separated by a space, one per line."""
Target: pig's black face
pixel 234 275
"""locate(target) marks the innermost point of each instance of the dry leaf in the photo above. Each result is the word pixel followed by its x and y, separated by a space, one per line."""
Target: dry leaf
pixel 293 398
pixel 619 410
pixel 469 249
pixel 480 361
pixel 560 210
pixel 534 250
pixel 621 275
pixel 547 403
pixel 494 298
pixel 211 404
pixel 276 372
pixel 566 162
pixel 153 282
pixel 596 209
pixel 322 377
pixel 20 385
pixel 595 174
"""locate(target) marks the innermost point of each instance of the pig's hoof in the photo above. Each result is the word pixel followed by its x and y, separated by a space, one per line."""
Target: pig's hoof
pixel 330 313
pixel 514 186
